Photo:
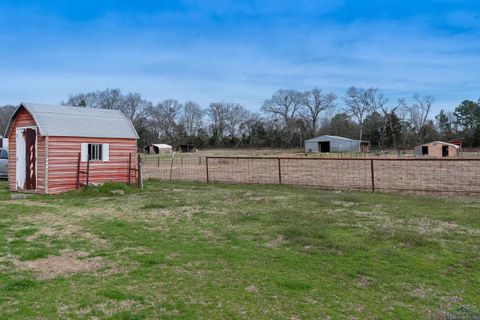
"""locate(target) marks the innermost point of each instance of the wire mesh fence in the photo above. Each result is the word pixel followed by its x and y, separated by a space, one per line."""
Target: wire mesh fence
pixel 425 175
pixel 175 168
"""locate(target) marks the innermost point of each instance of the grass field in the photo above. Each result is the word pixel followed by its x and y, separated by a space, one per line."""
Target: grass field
pixel 209 251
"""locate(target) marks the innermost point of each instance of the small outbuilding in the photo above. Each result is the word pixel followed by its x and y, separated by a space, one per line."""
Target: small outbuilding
pixel 328 143
pixel 3 142
pixel 158 148
pixel 57 148
pixel 187 148
pixel 458 142
pixel 437 149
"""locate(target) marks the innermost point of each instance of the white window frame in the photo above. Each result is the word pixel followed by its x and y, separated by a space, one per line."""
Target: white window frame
pixel 98 152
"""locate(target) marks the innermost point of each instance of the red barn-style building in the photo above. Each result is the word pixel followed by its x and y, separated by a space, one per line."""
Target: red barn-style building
pixel 45 142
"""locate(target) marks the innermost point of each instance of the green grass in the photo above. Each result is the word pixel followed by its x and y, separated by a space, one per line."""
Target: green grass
pixel 211 251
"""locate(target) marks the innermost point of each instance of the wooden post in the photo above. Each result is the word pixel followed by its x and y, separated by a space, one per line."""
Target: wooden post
pixel 129 168
pixel 88 172
pixel 171 169
pixel 158 162
pixel 139 173
pixel 279 172
pixel 373 175
pixel 206 168
pixel 78 170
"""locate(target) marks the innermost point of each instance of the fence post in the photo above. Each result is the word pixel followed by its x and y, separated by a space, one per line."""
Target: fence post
pixel 373 175
pixel 171 168
pixel 139 173
pixel 279 172
pixel 158 162
pixel 88 172
pixel 129 168
pixel 206 168
pixel 78 170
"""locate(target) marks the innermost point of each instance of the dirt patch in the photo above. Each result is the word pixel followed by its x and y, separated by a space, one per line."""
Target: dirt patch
pixel 43 231
pixel 275 242
pixel 251 288
pixel 66 264
pixel 60 227
pixel 343 203
pixel 363 281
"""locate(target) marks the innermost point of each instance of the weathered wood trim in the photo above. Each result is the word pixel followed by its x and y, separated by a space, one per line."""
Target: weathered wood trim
pixel 46 165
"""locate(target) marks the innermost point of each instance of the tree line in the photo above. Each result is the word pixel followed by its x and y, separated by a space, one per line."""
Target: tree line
pixel 288 118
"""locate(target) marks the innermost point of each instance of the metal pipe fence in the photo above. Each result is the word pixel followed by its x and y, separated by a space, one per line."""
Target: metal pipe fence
pixel 419 175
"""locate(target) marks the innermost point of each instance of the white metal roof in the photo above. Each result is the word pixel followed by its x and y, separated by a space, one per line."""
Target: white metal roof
pixel 161 145
pixel 328 137
pixel 79 122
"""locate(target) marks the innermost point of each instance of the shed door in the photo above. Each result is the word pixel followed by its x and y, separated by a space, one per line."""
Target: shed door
pixel 20 165
pixel 26 160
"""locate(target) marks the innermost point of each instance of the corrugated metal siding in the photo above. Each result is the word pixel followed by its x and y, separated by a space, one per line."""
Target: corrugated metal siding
pixel 24 119
pixel 311 146
pixel 63 156
pixel 336 145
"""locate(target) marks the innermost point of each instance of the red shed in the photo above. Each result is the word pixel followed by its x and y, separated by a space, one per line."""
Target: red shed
pixel 45 143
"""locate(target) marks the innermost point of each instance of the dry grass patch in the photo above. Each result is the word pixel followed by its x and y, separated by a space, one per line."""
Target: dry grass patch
pixel 275 242
pixel 66 264
pixel 56 225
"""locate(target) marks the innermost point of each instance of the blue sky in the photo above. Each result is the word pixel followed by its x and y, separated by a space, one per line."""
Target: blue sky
pixel 240 51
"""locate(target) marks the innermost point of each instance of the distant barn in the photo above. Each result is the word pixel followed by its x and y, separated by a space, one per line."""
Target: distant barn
pixel 437 149
pixel 158 148
pixel 52 146
pixel 187 148
pixel 3 142
pixel 458 142
pixel 328 143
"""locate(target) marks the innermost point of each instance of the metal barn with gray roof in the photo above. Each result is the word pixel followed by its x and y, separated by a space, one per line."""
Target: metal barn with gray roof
pixel 328 143
pixel 56 148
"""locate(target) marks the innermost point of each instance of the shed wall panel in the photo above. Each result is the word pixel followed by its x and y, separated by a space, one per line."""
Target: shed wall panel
pixel 336 145
pixel 63 159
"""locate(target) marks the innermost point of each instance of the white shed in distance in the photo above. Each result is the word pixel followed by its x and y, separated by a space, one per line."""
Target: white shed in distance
pixel 328 143
pixel 158 148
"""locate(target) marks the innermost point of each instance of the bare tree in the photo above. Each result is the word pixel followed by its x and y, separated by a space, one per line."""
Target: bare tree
pixel 361 102
pixel 134 107
pixel 106 99
pixel 192 117
pixel 217 113
pixel 164 118
pixel 314 102
pixel 80 100
pixel 109 99
pixel 284 104
pixel 236 114
pixel 250 127
pixel 418 113
pixel 6 113
pixel 132 104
